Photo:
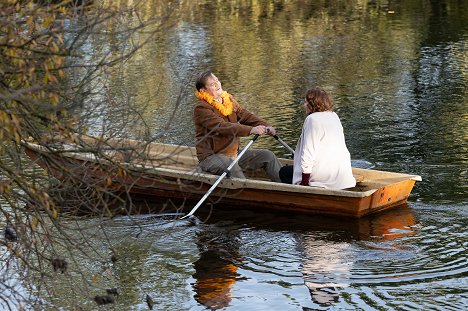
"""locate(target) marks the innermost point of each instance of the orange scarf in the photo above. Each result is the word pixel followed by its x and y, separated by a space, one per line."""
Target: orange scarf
pixel 225 108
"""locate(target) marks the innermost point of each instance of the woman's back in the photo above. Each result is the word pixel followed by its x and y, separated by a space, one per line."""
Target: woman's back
pixel 322 151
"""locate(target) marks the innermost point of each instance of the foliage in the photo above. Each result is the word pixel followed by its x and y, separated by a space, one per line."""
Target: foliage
pixel 46 79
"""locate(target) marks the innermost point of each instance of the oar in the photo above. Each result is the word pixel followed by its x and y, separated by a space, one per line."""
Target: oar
pixel 284 144
pixel 224 174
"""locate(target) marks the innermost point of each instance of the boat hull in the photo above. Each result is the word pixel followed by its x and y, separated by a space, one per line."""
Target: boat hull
pixel 164 184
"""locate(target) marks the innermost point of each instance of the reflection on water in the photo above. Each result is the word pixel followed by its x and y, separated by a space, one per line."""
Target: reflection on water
pixel 216 269
pixel 321 260
pixel 244 260
pixel 394 224
pixel 324 262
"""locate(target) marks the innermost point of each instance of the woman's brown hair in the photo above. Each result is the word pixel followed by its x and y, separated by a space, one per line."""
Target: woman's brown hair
pixel 318 100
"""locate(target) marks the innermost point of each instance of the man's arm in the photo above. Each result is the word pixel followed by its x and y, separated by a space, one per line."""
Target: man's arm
pixel 214 123
pixel 246 117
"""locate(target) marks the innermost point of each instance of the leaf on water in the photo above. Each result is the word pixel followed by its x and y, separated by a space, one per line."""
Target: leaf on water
pixel 103 300
pixel 149 302
pixel 59 265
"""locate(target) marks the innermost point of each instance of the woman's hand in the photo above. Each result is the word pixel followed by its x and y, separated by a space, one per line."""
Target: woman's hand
pixel 305 179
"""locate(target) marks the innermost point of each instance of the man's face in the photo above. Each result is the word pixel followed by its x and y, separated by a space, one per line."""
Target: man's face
pixel 213 86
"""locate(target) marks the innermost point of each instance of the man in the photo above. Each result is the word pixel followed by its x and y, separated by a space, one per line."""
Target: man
pixel 219 123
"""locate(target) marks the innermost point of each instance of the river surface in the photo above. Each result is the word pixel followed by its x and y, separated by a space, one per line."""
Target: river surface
pixel 397 72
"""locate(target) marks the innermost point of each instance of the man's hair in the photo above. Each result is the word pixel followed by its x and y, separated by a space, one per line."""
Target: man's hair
pixel 201 80
pixel 318 100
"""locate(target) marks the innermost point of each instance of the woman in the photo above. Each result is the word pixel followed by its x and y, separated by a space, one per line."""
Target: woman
pixel 321 158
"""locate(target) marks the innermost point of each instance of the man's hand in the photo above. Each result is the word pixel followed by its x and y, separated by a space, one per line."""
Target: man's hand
pixel 259 129
pixel 271 130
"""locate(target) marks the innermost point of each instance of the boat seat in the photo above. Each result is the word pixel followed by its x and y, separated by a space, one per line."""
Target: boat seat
pixel 358 178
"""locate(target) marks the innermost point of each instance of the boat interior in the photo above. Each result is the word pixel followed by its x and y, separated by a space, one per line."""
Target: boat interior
pixel 183 159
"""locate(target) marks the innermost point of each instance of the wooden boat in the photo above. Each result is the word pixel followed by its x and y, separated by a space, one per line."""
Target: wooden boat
pixel 167 171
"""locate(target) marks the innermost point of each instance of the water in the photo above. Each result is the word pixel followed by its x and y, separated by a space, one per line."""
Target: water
pixel 397 72
pixel 409 258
